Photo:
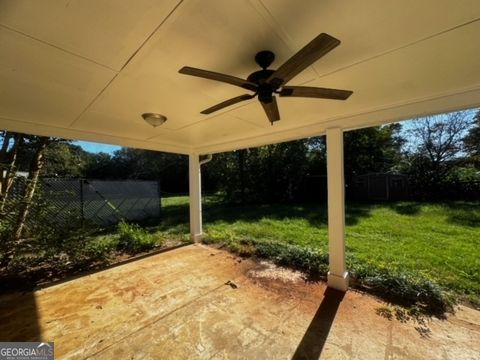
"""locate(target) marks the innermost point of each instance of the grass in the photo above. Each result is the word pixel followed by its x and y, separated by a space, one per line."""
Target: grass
pixel 437 242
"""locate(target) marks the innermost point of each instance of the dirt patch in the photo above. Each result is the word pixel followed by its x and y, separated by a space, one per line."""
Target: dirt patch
pixel 268 270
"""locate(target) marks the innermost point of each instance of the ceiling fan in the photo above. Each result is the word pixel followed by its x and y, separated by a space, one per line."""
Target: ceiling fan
pixel 267 82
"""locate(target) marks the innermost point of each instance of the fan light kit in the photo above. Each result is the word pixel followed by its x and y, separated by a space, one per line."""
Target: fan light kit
pixel 154 119
pixel 266 82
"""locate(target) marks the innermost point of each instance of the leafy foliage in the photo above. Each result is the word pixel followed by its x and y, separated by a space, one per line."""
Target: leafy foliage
pixel 278 173
pixel 374 149
pixel 133 238
pixel 472 140
pixel 126 163
pixel 435 156
pixel 401 286
pixel 311 260
pixel 264 174
pixel 66 160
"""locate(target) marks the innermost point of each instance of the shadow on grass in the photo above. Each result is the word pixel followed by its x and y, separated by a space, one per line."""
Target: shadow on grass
pixel 316 215
pixel 405 208
pixel 464 213
pixel 458 213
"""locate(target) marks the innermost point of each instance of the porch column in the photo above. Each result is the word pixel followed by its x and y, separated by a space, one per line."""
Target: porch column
pixel 195 194
pixel 338 275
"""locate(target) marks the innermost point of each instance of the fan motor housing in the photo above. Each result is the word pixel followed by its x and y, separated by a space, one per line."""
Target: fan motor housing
pixel 265 90
pixel 265 93
pixel 260 77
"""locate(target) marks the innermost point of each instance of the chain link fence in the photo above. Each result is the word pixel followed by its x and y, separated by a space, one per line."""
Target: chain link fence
pixel 102 202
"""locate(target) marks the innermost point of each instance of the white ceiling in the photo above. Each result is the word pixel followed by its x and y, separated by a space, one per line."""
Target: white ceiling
pixel 88 69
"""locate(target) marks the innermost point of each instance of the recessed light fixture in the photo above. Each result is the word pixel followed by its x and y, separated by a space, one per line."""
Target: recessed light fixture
pixel 154 119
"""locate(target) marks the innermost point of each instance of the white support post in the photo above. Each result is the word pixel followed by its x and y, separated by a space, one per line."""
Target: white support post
pixel 195 194
pixel 338 275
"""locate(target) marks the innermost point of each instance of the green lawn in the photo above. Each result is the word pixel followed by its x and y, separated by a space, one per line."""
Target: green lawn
pixel 440 241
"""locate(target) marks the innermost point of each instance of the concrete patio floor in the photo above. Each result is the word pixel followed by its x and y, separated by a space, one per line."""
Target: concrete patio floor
pixel 176 305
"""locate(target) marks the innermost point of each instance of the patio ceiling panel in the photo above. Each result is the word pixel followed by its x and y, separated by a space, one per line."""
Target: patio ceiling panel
pixel 106 31
pixel 42 84
pixel 218 127
pixel 366 29
pixel 88 70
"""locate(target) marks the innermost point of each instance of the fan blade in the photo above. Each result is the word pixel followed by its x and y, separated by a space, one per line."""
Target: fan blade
pixel 218 77
pixel 271 109
pixel 227 103
pixel 315 92
pixel 310 53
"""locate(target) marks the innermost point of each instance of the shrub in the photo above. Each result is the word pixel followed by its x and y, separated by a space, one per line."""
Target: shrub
pixel 313 261
pixel 102 247
pixel 406 288
pixel 178 232
pixel 133 238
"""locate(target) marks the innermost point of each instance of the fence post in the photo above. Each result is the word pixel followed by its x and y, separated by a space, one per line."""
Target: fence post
pixel 159 199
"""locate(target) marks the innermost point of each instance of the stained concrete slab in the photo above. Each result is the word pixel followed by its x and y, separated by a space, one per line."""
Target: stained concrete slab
pixel 176 305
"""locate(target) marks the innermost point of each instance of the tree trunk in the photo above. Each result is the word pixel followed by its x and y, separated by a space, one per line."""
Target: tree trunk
pixel 8 161
pixel 34 172
pixel 4 160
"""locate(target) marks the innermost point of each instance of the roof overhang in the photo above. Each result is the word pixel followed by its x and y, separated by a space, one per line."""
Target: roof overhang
pixel 88 70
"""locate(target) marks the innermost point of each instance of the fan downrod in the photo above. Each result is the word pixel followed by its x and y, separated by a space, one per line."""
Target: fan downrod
pixel 264 58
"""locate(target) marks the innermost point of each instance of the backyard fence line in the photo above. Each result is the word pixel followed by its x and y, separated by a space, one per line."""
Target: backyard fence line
pixel 103 202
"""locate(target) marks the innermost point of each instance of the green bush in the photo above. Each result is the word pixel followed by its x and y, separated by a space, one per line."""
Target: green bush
pixel 403 287
pixel 133 238
pixel 313 261
pixel 102 247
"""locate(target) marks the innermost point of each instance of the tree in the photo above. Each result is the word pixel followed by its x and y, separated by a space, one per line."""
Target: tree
pixel 170 169
pixel 280 172
pixel 11 142
pixel 373 149
pixel 100 166
pixel 36 165
pixel 439 138
pixel 472 140
pixel 272 173
pixel 63 159
pixel 436 146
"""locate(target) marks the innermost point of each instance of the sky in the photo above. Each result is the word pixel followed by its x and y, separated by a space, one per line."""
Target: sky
pixel 96 147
